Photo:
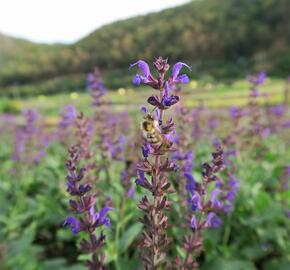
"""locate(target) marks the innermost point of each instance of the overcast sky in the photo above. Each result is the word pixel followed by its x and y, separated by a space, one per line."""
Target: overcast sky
pixel 66 21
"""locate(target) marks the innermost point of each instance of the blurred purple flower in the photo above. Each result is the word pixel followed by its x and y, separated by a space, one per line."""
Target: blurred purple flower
pixel 140 181
pixel 191 184
pixel 277 110
pixel 68 114
pixel 73 223
pixel 212 220
pixel 257 79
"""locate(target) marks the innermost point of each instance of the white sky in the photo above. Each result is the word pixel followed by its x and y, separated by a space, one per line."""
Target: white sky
pixel 69 20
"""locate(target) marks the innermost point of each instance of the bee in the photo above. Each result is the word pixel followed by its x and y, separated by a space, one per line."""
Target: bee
pixel 151 130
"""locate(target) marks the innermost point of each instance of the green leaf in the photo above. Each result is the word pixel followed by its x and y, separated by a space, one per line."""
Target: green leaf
pixel 222 264
pixel 129 236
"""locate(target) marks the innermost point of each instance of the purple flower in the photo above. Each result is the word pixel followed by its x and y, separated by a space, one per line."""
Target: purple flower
pixel 278 110
pixel 146 76
pixel 233 183
pixel 214 194
pixel 257 79
pixel 234 112
pixel 101 219
pixel 140 181
pixel 191 184
pixel 195 201
pixel 175 77
pixel 73 223
pixel 131 192
pixel 265 132
pixel 193 222
pixel 68 114
pixel 212 220
pixel 144 109
pixel 167 100
pixel 145 150
pixel 188 161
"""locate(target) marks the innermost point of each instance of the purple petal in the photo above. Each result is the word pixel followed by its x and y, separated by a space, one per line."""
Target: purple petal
pixel 193 223
pixel 73 223
pixel 182 79
pixel 176 69
pixel 214 194
pixel 104 211
pixel 212 220
pixel 137 79
pixel 143 66
pixel 144 109
pixel 191 185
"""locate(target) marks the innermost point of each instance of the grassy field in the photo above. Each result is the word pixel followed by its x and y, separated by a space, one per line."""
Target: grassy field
pixel 211 95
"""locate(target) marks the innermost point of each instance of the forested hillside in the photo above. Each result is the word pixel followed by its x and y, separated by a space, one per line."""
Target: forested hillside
pixel 225 38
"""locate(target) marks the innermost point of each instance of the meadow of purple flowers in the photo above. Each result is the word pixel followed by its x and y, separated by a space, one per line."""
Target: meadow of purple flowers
pixel 148 194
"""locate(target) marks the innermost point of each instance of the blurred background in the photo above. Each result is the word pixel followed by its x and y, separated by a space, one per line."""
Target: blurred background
pixel 221 40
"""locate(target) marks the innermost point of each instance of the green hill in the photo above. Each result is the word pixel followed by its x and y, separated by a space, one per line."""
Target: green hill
pixel 224 38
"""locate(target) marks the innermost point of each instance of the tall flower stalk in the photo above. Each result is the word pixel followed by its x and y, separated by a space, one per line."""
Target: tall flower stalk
pixel 158 143
pixel 205 204
pixel 86 218
pixel 105 125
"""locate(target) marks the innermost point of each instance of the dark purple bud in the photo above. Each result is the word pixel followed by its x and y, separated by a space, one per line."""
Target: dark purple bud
pixel 168 101
pixel 154 101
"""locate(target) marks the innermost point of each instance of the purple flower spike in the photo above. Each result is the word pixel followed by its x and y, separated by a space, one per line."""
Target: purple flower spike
pixel 73 224
pixel 175 77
